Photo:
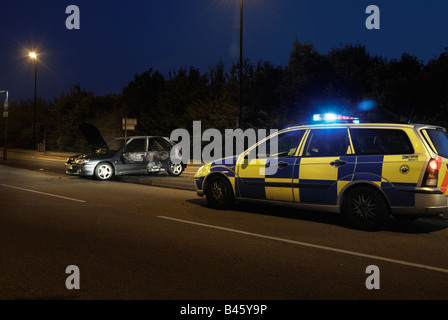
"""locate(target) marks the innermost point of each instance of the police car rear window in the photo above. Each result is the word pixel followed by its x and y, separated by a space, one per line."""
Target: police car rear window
pixel 380 141
pixel 439 139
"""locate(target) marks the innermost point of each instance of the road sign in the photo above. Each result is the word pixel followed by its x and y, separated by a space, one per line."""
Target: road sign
pixel 5 114
pixel 129 124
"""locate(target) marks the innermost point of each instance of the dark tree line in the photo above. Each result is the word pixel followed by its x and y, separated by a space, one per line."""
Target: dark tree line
pixel 399 90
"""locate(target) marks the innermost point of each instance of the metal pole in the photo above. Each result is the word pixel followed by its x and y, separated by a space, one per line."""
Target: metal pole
pixel 34 105
pixel 5 148
pixel 125 129
pixel 241 64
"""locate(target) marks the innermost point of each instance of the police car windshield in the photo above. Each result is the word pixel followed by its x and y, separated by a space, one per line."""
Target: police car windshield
pixel 439 139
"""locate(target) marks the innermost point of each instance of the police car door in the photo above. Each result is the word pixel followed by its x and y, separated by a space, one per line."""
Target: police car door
pixel 326 166
pixel 266 170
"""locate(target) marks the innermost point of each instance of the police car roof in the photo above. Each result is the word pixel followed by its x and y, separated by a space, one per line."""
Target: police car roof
pixel 364 124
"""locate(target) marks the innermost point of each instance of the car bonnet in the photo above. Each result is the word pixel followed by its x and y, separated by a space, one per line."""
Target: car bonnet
pixel 93 136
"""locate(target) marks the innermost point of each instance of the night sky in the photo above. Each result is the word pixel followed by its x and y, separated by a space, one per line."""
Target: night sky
pixel 119 39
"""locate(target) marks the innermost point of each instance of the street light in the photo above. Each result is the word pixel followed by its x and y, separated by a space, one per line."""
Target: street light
pixel 241 65
pixel 33 55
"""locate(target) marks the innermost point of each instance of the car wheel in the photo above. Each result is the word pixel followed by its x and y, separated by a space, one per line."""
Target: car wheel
pixel 365 209
pixel 175 169
pixel 104 171
pixel 219 193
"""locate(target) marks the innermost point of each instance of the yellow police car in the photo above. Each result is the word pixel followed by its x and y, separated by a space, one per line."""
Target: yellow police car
pixel 366 171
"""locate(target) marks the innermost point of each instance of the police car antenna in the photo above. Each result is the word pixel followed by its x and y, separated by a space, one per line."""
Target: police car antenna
pixel 411 116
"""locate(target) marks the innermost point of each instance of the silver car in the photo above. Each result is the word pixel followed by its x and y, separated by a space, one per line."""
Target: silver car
pixel 136 155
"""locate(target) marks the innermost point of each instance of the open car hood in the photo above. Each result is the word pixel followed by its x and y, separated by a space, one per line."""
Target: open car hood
pixel 93 136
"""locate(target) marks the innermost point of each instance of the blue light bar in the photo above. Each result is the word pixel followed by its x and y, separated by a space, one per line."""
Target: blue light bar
pixel 333 117
pixel 330 117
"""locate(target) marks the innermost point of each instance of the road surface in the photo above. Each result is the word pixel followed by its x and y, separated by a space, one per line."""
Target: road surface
pixel 134 241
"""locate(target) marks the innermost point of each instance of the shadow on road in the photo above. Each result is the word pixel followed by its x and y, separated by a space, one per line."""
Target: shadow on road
pixel 419 226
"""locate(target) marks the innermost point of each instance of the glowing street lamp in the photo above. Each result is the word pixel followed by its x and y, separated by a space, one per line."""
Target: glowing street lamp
pixel 33 55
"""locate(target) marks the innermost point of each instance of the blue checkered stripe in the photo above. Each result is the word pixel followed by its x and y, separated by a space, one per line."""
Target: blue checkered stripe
pixel 325 192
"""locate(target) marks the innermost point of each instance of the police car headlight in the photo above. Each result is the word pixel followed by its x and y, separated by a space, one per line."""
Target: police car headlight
pixel 203 171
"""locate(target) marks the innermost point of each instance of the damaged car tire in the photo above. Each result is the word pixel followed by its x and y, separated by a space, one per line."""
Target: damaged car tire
pixel 104 171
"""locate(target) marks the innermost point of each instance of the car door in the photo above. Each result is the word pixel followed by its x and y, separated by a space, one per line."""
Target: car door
pixel 386 157
pixel 158 153
pixel 326 166
pixel 266 171
pixel 135 156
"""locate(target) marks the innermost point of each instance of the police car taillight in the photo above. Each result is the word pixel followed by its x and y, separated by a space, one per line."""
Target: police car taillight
pixel 431 174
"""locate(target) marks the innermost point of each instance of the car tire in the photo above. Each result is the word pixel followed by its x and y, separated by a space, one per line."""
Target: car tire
pixel 219 193
pixel 364 208
pixel 104 171
pixel 174 169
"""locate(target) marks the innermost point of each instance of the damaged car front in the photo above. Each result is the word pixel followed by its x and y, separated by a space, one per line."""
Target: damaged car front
pixel 87 164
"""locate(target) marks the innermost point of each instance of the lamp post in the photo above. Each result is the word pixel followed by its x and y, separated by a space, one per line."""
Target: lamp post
pixel 33 55
pixel 5 115
pixel 241 65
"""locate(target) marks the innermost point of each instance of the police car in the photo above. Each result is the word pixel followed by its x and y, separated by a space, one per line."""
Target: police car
pixel 366 171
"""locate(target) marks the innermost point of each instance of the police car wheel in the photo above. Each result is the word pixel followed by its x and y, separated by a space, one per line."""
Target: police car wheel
pixel 365 209
pixel 219 193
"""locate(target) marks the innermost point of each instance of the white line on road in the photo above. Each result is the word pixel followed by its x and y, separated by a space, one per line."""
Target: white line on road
pixel 310 245
pixel 44 193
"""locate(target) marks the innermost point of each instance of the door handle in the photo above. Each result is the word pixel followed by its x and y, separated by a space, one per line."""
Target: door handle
pixel 338 163
pixel 282 164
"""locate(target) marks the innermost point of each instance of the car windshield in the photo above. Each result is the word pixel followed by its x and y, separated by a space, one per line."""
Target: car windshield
pixel 439 139
pixel 116 144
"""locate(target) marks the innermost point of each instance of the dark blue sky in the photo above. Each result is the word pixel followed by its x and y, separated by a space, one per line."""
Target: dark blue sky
pixel 118 39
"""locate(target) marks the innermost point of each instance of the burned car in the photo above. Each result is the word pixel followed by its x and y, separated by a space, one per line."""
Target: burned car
pixel 132 156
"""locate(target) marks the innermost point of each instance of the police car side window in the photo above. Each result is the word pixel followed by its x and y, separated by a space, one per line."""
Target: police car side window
pixel 287 144
pixel 380 141
pixel 327 143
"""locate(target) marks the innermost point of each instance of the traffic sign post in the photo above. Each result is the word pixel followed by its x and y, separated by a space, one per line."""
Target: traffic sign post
pixel 128 124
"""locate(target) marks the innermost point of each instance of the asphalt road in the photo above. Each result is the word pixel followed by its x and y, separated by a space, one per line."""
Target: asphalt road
pixel 140 242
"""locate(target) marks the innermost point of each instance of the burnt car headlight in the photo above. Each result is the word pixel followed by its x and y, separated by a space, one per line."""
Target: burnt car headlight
pixel 82 161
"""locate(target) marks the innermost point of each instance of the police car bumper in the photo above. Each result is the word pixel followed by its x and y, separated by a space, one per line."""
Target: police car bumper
pixel 428 202
pixel 198 182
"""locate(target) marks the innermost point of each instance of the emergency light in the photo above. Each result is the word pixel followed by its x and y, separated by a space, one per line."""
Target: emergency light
pixel 333 117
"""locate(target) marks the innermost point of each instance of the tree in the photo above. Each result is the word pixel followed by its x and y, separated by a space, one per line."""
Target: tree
pixel 305 81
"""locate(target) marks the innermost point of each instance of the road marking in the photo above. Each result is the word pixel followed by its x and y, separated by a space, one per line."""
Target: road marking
pixel 44 193
pixel 310 245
